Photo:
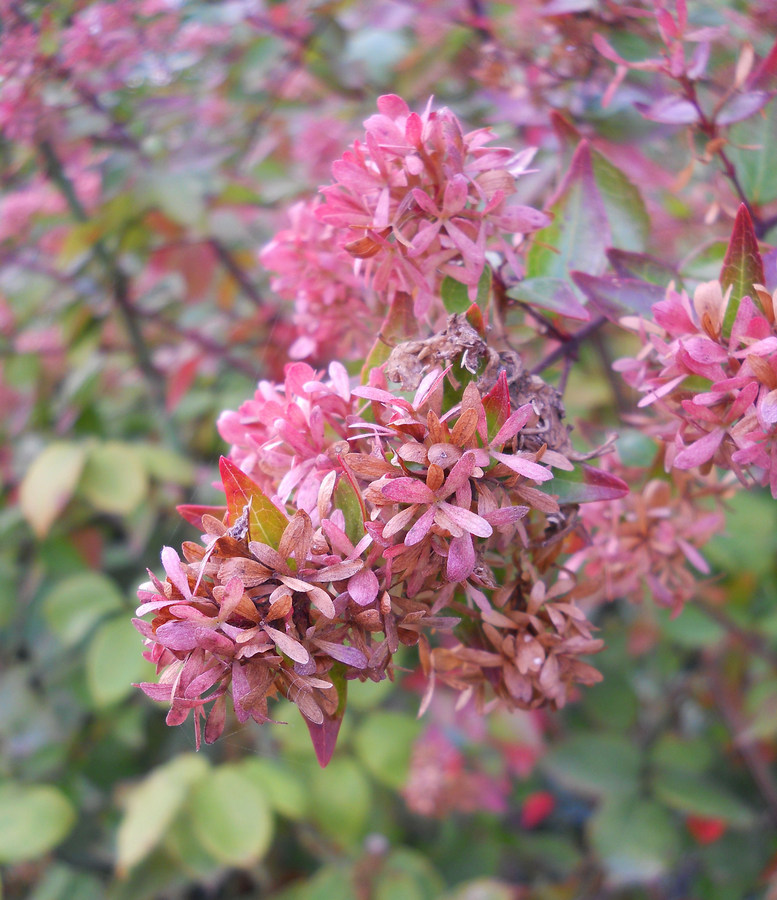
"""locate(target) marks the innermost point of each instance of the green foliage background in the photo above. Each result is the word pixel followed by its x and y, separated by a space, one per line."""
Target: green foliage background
pixel 105 433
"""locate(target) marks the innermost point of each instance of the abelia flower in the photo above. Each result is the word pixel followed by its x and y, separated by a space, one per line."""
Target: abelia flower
pixel 420 199
pixel 650 541
pixel 717 387
pixel 334 311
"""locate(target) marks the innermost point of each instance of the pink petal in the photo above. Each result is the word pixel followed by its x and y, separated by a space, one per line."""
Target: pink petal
pixel 512 425
pixel 351 656
pixel 700 451
pixel 172 563
pixel 408 490
pixel 461 559
pixel 523 466
pixel 469 521
pixel 421 527
pixel 287 645
pixel 363 587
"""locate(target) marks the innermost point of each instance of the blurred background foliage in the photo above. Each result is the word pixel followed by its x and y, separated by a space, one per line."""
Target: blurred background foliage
pixel 148 151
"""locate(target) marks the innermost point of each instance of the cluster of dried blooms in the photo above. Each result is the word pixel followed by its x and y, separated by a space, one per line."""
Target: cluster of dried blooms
pixel 434 503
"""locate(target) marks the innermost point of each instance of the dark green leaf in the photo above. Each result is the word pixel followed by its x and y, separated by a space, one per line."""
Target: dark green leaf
pixel 596 765
pixel 742 266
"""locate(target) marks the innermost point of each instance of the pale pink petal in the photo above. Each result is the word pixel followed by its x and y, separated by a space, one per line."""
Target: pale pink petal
pixel 461 558
pixel 700 451
pixel 469 521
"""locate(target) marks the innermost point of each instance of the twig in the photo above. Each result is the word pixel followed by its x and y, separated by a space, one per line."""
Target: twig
pixel 750 753
pixel 754 642
pixel 237 272
pixel 119 291
pixel 570 345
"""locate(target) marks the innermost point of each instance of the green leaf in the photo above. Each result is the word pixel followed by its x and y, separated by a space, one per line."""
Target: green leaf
pixel 750 542
pixel 49 483
pixel 231 816
pixel 642 267
pixel 690 793
pixel 33 820
pixel 407 875
pixel 348 500
pixel 266 523
pixel 114 479
pixel 282 787
pixel 553 294
pixel 585 484
pixel 114 660
pixel 595 765
pixel 152 805
pixel 623 205
pixel 165 464
pixel 682 754
pixel 692 629
pixel 580 233
pixel 341 801
pixel 742 266
pixel 399 325
pixel 615 297
pixel 75 605
pixel 455 294
pixel 636 840
pixel 384 743
pixel 750 149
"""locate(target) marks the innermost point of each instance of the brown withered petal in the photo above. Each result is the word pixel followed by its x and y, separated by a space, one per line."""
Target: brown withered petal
pixel 280 607
pixel 437 430
pixel 249 571
pixel 444 455
pixel 213 526
pixel 336 572
pixel 297 537
pixel 269 557
pixel 413 452
pixel 287 645
pixel 366 466
pixel 464 429
pixel 435 477
pixel 370 620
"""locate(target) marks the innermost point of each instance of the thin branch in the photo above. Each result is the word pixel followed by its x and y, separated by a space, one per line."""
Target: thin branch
pixel 754 642
pixel 237 272
pixel 119 291
pixel 749 752
pixel 570 345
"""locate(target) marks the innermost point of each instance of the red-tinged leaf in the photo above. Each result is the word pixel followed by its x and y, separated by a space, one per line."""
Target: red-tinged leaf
pixel 615 297
pixel 536 808
pixel 607 51
pixel 670 111
pixel 193 512
pixel 496 403
pixel 578 235
pixel 742 106
pixel 586 484
pixel 641 266
pixel 180 381
pixel 324 735
pixel 765 72
pixel 475 318
pixel 350 656
pixel 399 325
pixel 266 523
pixel 705 830
pixel 742 265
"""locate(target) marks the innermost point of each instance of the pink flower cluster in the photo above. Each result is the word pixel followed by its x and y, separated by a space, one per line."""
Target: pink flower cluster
pixel 716 380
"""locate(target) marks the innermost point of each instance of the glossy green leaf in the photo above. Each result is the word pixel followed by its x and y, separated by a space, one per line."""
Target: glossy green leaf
pixel 384 743
pixel 231 816
pixel 75 605
pixel 152 804
pixel 742 266
pixel 114 661
pixel 636 840
pixel 595 765
pixel 114 479
pixel 700 796
pixel 455 294
pixel 49 483
pixel 266 523
pixel 33 820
